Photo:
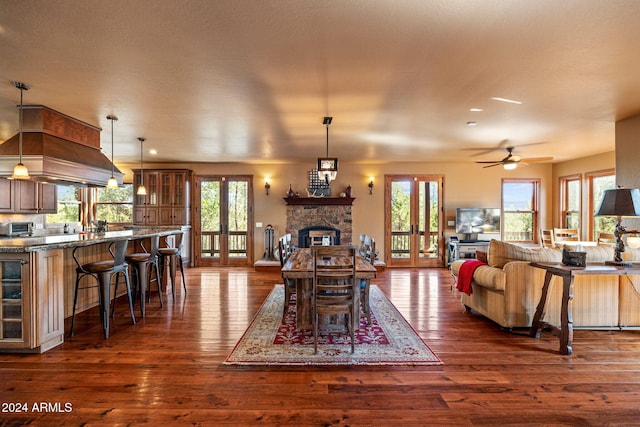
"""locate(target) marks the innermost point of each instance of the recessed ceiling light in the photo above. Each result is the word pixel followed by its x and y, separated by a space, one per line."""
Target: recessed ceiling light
pixel 510 101
pixel 472 123
pixel 152 151
pixel 476 110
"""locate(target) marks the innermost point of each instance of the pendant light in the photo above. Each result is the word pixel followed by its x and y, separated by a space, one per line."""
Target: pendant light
pixel 142 191
pixel 327 166
pixel 113 182
pixel 20 171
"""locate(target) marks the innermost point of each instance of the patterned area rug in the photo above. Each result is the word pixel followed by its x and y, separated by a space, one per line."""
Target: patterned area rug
pixel 389 340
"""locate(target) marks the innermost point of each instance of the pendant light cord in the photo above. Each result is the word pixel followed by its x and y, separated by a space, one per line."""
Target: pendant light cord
pixel 20 123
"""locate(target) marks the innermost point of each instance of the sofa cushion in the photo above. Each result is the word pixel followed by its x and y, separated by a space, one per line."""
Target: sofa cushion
pixel 501 253
pixel 598 253
pixel 630 254
pixel 485 276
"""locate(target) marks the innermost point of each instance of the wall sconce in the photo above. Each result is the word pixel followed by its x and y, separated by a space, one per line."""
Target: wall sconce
pixel 267 186
pixel 370 185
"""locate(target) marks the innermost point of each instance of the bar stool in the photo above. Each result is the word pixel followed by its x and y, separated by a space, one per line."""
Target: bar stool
pixel 173 256
pixel 103 271
pixel 144 264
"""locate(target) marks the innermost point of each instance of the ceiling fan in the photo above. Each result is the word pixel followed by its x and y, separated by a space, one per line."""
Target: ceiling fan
pixel 512 161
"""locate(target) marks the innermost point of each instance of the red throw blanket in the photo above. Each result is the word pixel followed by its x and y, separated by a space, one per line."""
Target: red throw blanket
pixel 465 275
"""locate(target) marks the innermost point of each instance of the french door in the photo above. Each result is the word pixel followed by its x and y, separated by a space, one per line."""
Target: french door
pixel 414 221
pixel 222 220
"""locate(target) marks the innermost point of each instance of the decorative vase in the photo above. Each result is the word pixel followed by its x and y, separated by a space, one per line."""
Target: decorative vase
pixel 348 191
pixel 290 193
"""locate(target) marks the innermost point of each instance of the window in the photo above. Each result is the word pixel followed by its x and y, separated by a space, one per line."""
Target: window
pixel 115 205
pixel 520 209
pixel 598 183
pixel 570 212
pixel 68 206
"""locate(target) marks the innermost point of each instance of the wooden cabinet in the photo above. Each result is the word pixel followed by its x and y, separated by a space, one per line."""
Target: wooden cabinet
pixel 27 197
pixel 7 196
pixel 32 295
pixel 168 197
pixel 145 208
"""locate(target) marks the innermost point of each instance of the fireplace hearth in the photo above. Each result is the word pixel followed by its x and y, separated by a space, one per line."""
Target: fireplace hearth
pixel 304 239
pixel 323 214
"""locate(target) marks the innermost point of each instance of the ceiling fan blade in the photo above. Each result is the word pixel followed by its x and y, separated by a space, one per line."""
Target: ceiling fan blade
pixel 490 166
pixel 537 159
pixel 487 162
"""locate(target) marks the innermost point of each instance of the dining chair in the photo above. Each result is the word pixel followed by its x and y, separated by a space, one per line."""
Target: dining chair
pixel 334 287
pixel 172 255
pixel 103 271
pixel 145 266
pixel 566 234
pixel 369 255
pixel 284 251
pixel 546 238
pixel 606 238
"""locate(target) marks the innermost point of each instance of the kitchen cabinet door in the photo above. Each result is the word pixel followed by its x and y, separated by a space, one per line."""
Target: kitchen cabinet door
pixel 7 196
pixel 35 197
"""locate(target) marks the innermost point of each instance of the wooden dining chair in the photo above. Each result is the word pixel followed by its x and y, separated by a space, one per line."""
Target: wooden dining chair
pixel 368 252
pixel 606 238
pixel 546 238
pixel 566 234
pixel 285 249
pixel 334 287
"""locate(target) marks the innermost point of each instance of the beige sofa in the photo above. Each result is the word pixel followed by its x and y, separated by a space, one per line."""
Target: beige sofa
pixel 508 289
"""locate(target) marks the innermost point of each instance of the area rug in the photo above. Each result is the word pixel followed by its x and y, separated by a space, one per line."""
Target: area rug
pixel 389 340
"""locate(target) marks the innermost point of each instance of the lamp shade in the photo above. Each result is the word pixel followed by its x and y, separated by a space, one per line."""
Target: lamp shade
pixel 620 202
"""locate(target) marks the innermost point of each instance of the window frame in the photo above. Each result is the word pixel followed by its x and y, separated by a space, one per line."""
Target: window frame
pixel 535 207
pixel 564 182
pixel 98 203
pixel 60 201
pixel 591 208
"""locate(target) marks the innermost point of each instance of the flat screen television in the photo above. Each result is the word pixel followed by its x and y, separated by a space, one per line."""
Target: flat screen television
pixel 477 220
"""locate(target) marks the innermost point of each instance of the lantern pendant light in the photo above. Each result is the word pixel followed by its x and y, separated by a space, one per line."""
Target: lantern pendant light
pixel 20 171
pixel 142 191
pixel 327 166
pixel 113 182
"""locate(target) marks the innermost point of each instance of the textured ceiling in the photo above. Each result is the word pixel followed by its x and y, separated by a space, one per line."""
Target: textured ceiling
pixel 250 80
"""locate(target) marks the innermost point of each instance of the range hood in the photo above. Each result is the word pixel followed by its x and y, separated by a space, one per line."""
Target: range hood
pixel 57 148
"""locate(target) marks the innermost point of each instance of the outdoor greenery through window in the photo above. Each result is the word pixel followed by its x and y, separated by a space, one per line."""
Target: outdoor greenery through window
pixel 598 183
pixel 570 201
pixel 520 209
pixel 115 205
pixel 68 206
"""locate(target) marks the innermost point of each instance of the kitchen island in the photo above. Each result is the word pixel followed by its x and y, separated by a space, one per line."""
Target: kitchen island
pixel 38 280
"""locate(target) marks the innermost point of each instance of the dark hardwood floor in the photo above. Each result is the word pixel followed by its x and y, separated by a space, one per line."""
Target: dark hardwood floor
pixel 167 369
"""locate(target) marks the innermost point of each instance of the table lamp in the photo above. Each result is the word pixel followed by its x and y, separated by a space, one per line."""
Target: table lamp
pixel 620 202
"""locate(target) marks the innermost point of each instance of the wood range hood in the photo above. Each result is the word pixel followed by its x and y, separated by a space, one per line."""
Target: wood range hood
pixel 57 148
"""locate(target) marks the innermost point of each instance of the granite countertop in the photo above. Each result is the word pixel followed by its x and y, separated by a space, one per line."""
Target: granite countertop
pixel 61 241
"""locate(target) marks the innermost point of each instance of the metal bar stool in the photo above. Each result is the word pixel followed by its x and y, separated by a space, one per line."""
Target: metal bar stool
pixel 144 265
pixel 103 271
pixel 173 256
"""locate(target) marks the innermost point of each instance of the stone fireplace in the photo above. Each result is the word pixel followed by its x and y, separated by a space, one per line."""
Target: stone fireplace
pixel 333 214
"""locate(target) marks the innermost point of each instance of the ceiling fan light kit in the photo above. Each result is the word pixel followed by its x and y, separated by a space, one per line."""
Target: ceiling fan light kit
pixel 511 161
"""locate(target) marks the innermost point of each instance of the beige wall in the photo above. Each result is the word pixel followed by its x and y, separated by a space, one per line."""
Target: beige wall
pixel 466 185
pixel 628 159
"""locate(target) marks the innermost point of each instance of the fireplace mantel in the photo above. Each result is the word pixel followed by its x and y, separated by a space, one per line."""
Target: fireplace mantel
pixel 319 201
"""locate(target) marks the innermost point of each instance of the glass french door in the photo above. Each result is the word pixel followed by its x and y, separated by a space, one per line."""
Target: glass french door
pixel 414 221
pixel 223 215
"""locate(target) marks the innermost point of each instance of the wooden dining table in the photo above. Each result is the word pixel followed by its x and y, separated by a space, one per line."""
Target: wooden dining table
pixel 299 267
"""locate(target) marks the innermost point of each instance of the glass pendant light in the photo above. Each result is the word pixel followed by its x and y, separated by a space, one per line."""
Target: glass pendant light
pixel 113 182
pixel 20 171
pixel 142 190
